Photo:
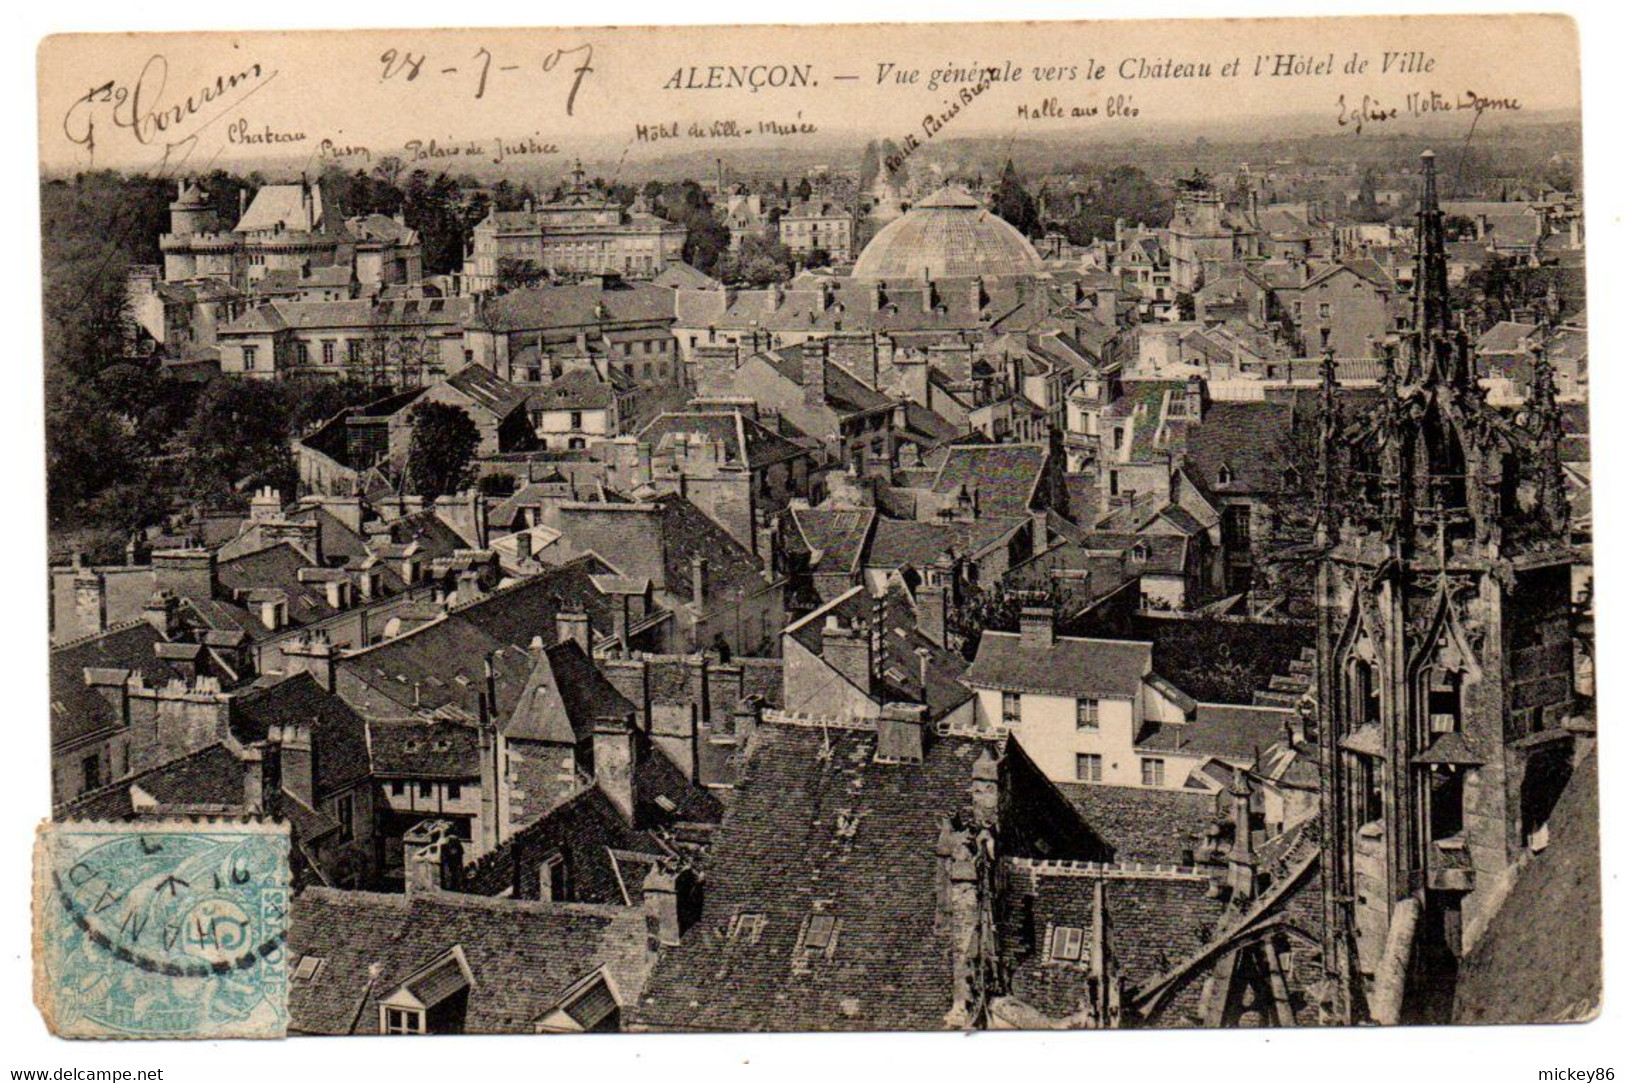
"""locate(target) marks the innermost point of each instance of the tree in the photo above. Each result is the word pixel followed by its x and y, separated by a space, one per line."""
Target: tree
pixel 818 257
pixel 761 262
pixel 444 439
pixel 1012 202
pixel 689 205
pixel 518 274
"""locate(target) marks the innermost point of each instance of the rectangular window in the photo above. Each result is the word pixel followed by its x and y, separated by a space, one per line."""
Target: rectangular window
pixel 1088 767
pixel 454 791
pixel 90 770
pixel 301 351
pixel 1151 772
pixel 820 932
pixel 1325 310
pixel 1066 944
pixel 1011 708
pixel 425 789
pixel 575 419
pixel 355 351
pixel 329 351
pixel 1088 714
pixel 397 789
pixel 748 927
pixel 403 1021
pixel 250 356
pixel 346 809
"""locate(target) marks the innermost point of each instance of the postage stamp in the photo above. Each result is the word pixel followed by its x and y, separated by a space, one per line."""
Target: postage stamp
pixel 168 929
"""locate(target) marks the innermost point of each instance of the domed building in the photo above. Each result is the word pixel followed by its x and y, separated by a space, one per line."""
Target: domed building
pixel 947 235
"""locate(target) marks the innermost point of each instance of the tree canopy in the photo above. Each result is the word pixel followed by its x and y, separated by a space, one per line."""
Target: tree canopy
pixel 444 439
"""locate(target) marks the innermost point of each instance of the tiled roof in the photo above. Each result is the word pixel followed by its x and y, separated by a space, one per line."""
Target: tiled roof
pixel 443 750
pixel 1149 825
pixel 79 711
pixel 579 306
pixel 1005 475
pixel 902 647
pixel 1232 732
pixel 522 955
pixel 579 389
pixel 745 440
pixel 815 820
pixel 1104 668
pixel 564 698
pixel 898 543
pixel 486 389
pixel 1540 957
pixel 209 776
pixel 338 735
pixel 836 535
pixel 1251 441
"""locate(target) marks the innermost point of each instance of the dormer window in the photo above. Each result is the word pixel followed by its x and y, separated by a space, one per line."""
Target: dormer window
pixel 747 927
pixel 820 934
pixel 1226 475
pixel 403 1021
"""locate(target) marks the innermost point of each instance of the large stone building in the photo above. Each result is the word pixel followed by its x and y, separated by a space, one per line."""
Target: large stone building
pixel 1447 657
pixel 289 230
pixel 581 233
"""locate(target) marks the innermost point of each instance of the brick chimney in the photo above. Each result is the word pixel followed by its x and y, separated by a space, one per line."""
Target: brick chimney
pixel 162 611
pixel 434 858
pixel 931 612
pixel 1195 397
pixel 90 601
pixel 311 653
pixel 1037 627
pixel 660 909
pixel 614 763
pixel 901 732
pixel 700 569
pixel 849 653
pixel 814 358
pixel 298 759
pixel 572 624
pixel 521 546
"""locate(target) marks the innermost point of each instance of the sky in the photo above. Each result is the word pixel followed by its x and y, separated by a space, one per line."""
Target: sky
pixel 451 99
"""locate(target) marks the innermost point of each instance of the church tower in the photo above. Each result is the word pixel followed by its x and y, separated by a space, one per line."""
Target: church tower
pixel 1446 653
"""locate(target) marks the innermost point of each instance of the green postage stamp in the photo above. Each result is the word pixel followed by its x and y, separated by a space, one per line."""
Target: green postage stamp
pixel 167 929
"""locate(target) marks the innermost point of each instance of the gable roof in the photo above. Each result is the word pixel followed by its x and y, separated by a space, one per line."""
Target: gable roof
pixel 857 838
pixel 338 735
pixel 522 956
pixel 1099 668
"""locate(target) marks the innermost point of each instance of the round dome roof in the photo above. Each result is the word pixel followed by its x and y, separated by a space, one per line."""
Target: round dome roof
pixel 947 235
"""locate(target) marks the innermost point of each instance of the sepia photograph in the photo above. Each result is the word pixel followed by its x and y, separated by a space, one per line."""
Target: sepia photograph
pixel 762 529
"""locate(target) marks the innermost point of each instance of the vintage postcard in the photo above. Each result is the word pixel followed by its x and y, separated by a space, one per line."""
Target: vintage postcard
pixel 874 527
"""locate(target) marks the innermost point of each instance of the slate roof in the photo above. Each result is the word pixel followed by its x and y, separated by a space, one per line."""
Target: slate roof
pixel 577 306
pixel 1100 668
pixel 563 698
pixel 578 389
pixel 835 535
pixel 79 711
pixel 858 838
pixel 745 440
pixel 1232 732
pixel 338 735
pixel 440 749
pixel 209 776
pixel 1006 476
pixel 523 955
pixel 897 668
pixel 1539 959
pixel 488 390
pixel 1150 825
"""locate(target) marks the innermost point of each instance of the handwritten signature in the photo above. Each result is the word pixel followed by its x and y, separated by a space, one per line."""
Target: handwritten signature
pixel 139 107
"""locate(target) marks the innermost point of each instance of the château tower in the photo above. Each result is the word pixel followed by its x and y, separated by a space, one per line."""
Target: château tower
pixel 1446 653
